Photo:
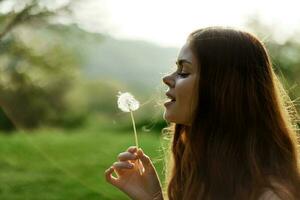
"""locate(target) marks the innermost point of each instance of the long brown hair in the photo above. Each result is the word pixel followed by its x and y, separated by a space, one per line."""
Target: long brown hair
pixel 243 137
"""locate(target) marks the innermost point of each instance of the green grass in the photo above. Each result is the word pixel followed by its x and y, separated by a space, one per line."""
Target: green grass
pixel 59 165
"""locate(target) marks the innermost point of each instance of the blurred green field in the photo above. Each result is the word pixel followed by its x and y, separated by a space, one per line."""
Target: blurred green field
pixel 62 165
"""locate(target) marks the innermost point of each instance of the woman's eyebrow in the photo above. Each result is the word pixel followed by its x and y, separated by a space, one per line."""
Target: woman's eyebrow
pixel 181 61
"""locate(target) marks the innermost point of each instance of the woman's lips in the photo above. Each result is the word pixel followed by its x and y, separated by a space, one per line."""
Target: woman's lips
pixel 171 99
pixel 169 102
pixel 170 96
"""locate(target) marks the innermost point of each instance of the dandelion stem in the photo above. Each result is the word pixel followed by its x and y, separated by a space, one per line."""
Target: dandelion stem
pixel 141 169
pixel 134 129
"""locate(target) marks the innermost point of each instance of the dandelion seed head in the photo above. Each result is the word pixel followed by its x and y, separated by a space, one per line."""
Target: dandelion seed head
pixel 127 103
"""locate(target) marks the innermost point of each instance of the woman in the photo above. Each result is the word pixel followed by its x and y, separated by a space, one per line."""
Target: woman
pixel 234 131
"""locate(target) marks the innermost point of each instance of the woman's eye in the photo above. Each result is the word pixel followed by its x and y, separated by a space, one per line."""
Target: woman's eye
pixel 181 74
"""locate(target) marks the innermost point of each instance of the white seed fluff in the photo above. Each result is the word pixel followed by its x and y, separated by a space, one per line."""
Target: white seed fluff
pixel 127 103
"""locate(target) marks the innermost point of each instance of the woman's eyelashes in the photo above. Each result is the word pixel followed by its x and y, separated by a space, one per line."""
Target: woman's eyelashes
pixel 182 74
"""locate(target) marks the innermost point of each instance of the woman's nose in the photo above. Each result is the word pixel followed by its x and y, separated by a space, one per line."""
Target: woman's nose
pixel 168 80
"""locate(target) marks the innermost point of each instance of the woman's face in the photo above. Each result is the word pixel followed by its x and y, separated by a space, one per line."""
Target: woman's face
pixel 181 85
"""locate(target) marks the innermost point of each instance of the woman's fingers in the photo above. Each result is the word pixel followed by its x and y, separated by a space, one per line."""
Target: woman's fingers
pixel 132 149
pixel 123 165
pixel 137 154
pixel 109 177
pixel 128 160
pixel 127 156
pixel 145 160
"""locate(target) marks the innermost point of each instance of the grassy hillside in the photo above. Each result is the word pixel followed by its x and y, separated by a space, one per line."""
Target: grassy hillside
pixel 59 165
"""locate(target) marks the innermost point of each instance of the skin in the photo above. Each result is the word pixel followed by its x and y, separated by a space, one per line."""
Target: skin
pixel 181 85
pixel 147 185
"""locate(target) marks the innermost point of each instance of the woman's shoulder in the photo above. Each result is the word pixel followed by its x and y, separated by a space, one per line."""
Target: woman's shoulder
pixel 269 195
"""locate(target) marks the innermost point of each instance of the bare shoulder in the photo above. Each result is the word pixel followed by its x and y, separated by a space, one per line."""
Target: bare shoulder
pixel 269 195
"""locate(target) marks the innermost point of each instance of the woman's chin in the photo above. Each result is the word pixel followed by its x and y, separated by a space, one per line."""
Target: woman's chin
pixel 167 117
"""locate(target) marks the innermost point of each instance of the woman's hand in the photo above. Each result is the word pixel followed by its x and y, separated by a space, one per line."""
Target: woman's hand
pixel 145 186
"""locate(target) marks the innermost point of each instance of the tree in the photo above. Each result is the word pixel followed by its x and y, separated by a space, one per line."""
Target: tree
pixel 33 78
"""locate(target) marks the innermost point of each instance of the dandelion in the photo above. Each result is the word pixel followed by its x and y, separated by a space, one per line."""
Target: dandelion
pixel 127 103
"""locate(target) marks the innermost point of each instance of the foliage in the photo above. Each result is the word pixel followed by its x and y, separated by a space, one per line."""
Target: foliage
pixel 33 81
pixel 35 74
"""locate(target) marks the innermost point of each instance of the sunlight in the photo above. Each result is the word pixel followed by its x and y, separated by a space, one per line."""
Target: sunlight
pixel 168 22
